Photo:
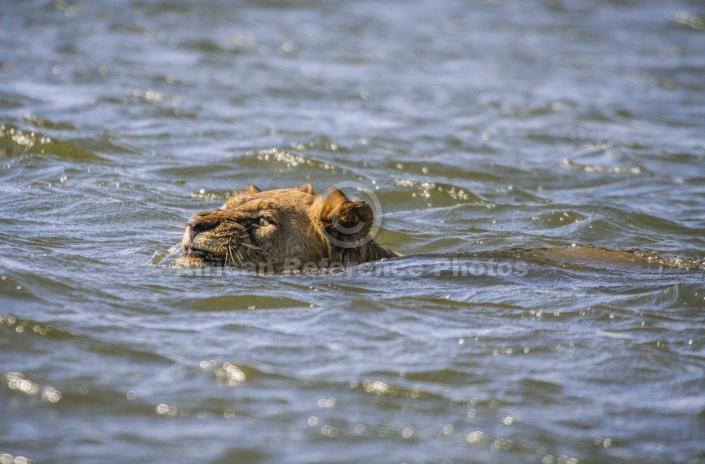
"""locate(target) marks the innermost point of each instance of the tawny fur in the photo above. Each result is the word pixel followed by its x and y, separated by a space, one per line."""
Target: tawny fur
pixel 284 229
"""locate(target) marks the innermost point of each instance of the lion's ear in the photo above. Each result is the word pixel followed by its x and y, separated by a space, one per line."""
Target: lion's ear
pixel 251 189
pixel 344 219
pixel 308 188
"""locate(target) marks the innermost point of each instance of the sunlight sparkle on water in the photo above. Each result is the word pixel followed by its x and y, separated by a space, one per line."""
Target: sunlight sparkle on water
pixel 17 381
pixel 6 458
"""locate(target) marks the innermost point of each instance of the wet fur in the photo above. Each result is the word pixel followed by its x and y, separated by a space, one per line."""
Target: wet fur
pixel 273 230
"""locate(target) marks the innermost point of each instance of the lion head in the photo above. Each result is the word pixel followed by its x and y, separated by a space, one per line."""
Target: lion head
pixel 283 229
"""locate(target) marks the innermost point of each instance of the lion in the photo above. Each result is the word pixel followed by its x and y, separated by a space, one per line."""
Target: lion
pixel 291 229
pixel 296 229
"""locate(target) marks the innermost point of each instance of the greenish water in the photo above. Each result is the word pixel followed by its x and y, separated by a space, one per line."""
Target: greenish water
pixel 481 126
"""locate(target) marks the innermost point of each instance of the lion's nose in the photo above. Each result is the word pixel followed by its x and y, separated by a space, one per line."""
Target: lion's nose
pixel 195 227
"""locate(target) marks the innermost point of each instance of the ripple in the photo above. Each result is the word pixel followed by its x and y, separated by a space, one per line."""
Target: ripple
pixel 685 18
pixel 20 383
pixel 15 142
pixel 46 123
pixel 447 376
pixel 620 259
pixel 241 302
pixel 321 143
pixel 556 219
pixel 234 374
pixel 7 458
pixel 431 194
pixel 289 160
pixel 25 325
pixel 378 387
pixel 568 164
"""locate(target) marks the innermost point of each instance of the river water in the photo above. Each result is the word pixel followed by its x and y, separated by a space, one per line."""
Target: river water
pixel 481 127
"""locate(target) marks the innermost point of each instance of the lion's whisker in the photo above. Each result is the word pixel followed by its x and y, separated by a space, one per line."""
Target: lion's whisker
pixel 251 247
pixel 229 259
pixel 239 256
pixel 232 256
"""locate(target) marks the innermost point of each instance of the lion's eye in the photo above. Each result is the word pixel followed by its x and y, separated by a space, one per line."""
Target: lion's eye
pixel 263 221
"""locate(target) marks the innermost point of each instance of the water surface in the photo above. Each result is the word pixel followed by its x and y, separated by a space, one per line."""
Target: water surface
pixel 481 126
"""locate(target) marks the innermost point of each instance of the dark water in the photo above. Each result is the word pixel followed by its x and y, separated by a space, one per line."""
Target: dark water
pixel 481 126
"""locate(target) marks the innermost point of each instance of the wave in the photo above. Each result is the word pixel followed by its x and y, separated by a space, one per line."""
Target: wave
pixel 16 142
